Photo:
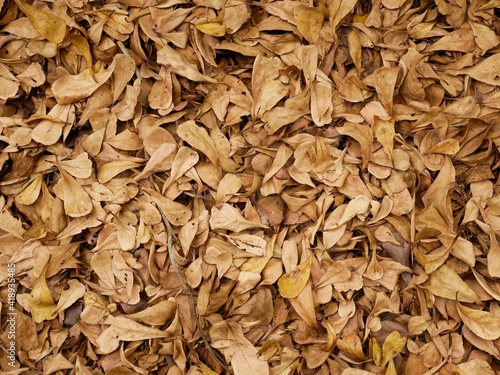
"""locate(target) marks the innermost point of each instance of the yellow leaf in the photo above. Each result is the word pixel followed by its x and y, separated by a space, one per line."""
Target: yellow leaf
pixel 355 49
pixel 352 344
pixel 40 301
pixel 446 147
pixel 31 193
pixel 206 370
pixel 212 28
pixel 391 369
pixel 360 18
pixel 49 26
pixel 291 284
pixel 332 338
pixel 377 352
pixel 393 345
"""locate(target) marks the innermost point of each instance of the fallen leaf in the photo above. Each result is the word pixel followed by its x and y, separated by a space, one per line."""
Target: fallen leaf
pixel 50 26
pixel 212 28
pixel 40 301
pixel 484 324
pixel 291 284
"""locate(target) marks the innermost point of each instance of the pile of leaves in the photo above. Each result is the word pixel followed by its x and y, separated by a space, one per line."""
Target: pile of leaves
pixel 250 187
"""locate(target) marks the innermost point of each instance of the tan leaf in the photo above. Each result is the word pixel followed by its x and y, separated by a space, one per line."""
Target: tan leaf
pixel 309 21
pixel 363 134
pixel 484 324
pixel 226 217
pixel 178 64
pixel 384 131
pixel 50 26
pixel 176 213
pixel 444 282
pixel 199 139
pixel 111 170
pixel 485 37
pixel 157 314
pixel 77 202
pixel 69 296
pixel 125 329
pixel 493 255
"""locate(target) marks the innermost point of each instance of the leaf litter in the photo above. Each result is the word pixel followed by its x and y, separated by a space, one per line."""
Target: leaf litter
pixel 238 187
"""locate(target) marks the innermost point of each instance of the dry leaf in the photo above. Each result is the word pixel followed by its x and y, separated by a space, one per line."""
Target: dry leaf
pixel 484 324
pixel 291 284
pixel 76 200
pixel 213 28
pixel 40 301
pixel 47 24
pixel 226 217
pixel 309 21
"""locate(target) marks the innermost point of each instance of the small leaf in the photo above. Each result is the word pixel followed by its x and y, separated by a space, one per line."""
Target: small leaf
pixel 384 131
pixel 377 352
pixel 212 28
pixel 291 284
pixel 40 301
pixel 82 44
pixel 446 147
pixel 31 193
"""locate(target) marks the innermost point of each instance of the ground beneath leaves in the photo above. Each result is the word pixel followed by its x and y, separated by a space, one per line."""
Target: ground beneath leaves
pixel 249 187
